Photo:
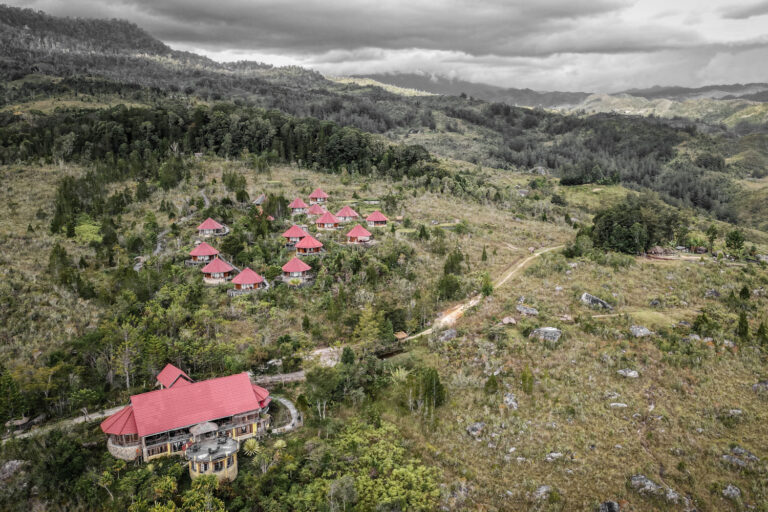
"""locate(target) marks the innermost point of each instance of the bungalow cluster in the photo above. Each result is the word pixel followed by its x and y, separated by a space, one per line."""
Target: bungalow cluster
pixel 295 272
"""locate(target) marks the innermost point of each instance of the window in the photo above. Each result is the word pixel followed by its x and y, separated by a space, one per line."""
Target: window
pixel 203 467
pixel 230 461
pixel 218 466
pixel 156 450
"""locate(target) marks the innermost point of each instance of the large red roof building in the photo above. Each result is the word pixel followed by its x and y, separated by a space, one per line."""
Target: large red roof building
pixel 162 422
pixel 248 280
pixel 318 196
pixel 316 210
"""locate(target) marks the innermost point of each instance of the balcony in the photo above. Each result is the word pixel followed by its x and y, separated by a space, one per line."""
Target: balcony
pixel 122 451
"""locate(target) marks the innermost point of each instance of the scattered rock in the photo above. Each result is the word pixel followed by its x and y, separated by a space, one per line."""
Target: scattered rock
pixel 655 303
pixel 647 487
pixel 734 461
pixel 592 301
pixel 508 320
pixel 448 335
pixel 542 493
pixel 630 374
pixel 638 331
pixel 547 334
pixel 734 413
pixel 760 387
pixel 510 401
pixel 527 310
pixel 618 405
pixel 558 288
pixel 611 395
pixel 712 293
pixel 10 468
pixel 729 344
pixel 521 460
pixel 732 492
pixel 609 506
pixel 553 456
pixel 476 429
pixel 566 318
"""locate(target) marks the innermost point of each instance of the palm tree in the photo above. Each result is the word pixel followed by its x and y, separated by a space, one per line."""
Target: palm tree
pixel 251 447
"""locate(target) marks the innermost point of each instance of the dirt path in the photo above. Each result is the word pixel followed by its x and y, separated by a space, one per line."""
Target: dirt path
pixel 67 423
pixel 449 316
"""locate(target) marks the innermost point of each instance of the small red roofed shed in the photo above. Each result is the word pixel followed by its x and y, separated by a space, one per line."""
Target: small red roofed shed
pixel 309 245
pixel 217 271
pixel 296 269
pixel 316 209
pixel 376 219
pixel 298 206
pixel 358 235
pixel 294 234
pixel 210 227
pixel 318 196
pixel 327 221
pixel 247 280
pixel 203 252
pixel 347 214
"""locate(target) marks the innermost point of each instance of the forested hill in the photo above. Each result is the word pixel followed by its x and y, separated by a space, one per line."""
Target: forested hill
pixel 38 31
pixel 49 63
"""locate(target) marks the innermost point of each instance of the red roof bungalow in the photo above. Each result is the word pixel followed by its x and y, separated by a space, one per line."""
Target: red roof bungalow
pixel 296 269
pixel 294 234
pixel 376 219
pixel 318 196
pixel 171 376
pixel 217 271
pixel 347 214
pixel 358 235
pixel 159 423
pixel 316 210
pixel 203 253
pixel 247 281
pixel 298 206
pixel 309 245
pixel 210 227
pixel 327 221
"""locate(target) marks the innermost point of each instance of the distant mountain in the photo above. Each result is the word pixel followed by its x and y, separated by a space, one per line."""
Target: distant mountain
pixel 437 84
pixel 715 92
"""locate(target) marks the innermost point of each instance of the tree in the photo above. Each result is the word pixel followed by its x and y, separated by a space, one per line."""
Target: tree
pixel 744 293
pixel 251 447
pixel 762 334
pixel 347 356
pixel 491 385
pixel 734 240
pixel 526 379
pixel 486 288
pixel 342 494
pixel 200 497
pixel 711 236
pixel 448 287
pixel 484 256
pixel 368 330
pixel 742 330
pixel 321 385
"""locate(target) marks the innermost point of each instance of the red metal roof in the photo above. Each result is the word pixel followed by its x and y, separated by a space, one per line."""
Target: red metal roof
pixel 309 242
pixel 316 209
pixel 347 212
pixel 358 231
pixel 296 265
pixel 121 423
pixel 318 194
pixel 327 218
pixel 247 276
pixel 297 203
pixel 209 400
pixel 203 250
pixel 216 266
pixel 376 216
pixel 295 232
pixel 209 223
pixel 169 376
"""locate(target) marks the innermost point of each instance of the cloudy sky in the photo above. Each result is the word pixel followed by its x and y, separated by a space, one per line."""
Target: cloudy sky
pixel 573 45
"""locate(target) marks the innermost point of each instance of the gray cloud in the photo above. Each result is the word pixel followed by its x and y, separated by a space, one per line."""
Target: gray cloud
pixel 746 11
pixel 598 45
